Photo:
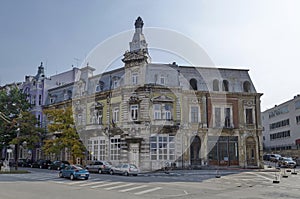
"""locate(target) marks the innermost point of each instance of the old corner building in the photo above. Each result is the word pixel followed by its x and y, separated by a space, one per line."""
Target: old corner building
pixel 148 114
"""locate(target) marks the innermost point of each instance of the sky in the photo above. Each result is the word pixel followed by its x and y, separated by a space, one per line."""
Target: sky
pixel 259 35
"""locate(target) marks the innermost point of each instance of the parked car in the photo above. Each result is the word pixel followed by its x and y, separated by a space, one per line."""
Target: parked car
pixel 99 167
pixel 24 162
pixel 42 164
pixel 286 162
pixel 275 157
pixel 266 157
pixel 74 172
pixel 125 169
pixel 58 165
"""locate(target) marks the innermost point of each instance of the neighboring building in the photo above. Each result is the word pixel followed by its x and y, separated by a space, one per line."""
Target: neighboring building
pixel 281 128
pixel 148 114
pixel 36 87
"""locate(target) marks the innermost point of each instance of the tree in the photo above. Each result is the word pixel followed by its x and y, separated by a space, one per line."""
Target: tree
pixel 17 124
pixel 61 124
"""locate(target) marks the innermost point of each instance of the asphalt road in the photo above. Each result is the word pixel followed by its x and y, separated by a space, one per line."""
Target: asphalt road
pixel 178 184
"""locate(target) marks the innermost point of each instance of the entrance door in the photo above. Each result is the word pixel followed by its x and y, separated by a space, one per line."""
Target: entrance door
pixel 134 154
pixel 251 152
pixel 195 151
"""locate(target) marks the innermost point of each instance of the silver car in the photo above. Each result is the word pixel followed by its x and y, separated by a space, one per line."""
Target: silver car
pixel 125 169
pixel 99 167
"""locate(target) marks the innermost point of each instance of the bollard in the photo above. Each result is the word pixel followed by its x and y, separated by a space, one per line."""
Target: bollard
pixel 277 179
pixel 218 175
pixel 284 175
pixel 294 172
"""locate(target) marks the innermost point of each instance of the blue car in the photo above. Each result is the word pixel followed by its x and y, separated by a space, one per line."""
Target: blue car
pixel 74 172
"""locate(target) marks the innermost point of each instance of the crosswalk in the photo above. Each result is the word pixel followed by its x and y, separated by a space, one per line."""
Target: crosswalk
pixel 108 185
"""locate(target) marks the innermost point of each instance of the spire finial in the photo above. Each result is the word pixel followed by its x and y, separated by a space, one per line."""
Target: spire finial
pixel 139 23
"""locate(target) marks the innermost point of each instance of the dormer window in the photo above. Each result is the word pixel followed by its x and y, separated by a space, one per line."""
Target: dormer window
pixel 225 85
pixel 193 84
pixel 216 85
pixel 246 86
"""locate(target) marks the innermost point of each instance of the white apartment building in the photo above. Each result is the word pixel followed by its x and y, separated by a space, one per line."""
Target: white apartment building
pixel 281 123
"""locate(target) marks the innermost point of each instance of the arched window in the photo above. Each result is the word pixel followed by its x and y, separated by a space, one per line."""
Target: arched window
pixel 216 85
pixel 246 86
pixel 225 85
pixel 193 84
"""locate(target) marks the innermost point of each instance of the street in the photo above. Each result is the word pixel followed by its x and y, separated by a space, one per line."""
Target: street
pixel 178 184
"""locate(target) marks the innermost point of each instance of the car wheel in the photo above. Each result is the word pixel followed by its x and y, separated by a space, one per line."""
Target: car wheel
pixel 41 167
pixel 126 173
pixel 86 178
pixel 99 171
pixel 111 172
pixel 58 168
pixel 72 177
pixel 60 175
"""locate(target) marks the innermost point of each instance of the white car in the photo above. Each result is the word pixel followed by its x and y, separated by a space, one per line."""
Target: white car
pixel 286 162
pixel 125 169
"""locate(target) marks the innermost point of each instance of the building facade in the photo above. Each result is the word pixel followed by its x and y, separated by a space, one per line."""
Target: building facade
pixel 281 128
pixel 150 114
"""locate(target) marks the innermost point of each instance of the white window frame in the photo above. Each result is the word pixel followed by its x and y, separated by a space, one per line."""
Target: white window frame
pixel 134 109
pixel 157 111
pixel 115 148
pixel 116 114
pixel 97 148
pixel 135 78
pixel 162 147
pixel 194 116
pixel 222 116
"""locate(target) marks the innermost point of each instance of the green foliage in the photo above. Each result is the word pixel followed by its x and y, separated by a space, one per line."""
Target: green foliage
pixel 17 124
pixel 66 137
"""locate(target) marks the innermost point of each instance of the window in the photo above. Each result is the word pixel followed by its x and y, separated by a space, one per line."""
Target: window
pixel 216 85
pixel 249 116
pixel 223 117
pixel 157 111
pixel 134 111
pixel 97 148
pixel 246 86
pixel 162 111
pixel 225 85
pixel 115 148
pixel 280 135
pixel 162 147
pixel 52 100
pixel 100 86
pixel 134 78
pixel 193 84
pixel 162 80
pixel 33 100
pixel 194 114
pixel 279 124
pixel 298 119
pixel 40 99
pixel 297 104
pixel 115 84
pixel 96 115
pixel 116 114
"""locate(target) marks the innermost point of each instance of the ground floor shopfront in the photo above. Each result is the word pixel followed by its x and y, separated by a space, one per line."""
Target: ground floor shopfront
pixel 182 149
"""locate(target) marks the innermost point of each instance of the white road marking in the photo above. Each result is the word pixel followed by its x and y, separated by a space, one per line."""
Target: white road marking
pixel 148 190
pixel 133 188
pixel 120 186
pixel 104 185
pixel 76 182
pixel 261 176
pixel 92 183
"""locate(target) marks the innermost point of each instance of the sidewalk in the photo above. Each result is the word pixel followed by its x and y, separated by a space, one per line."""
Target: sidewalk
pixel 207 171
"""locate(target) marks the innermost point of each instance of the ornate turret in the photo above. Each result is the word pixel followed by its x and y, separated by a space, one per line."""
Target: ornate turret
pixel 138 45
pixel 41 73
